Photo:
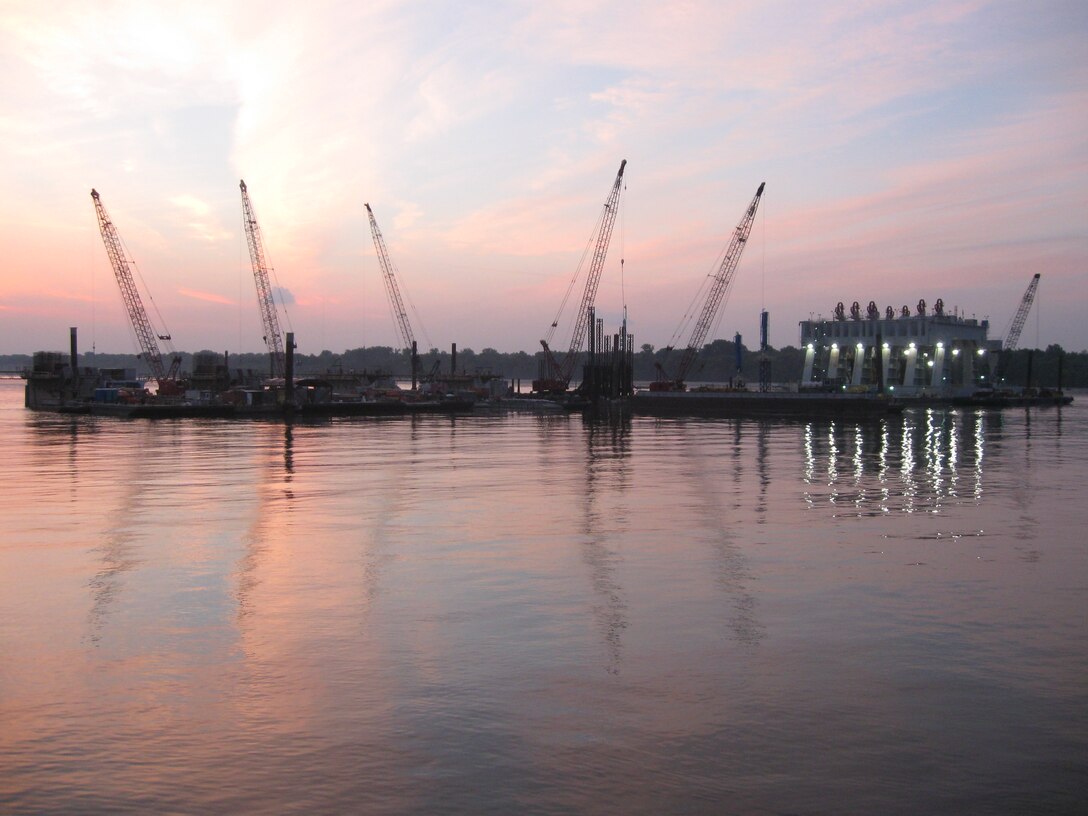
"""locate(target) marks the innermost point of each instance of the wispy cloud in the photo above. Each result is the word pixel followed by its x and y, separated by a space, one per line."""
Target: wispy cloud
pixel 207 297
pixel 906 144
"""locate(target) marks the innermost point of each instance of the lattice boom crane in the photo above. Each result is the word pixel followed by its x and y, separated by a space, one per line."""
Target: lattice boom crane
pixel 559 374
pixel 273 337
pixel 1013 337
pixel 400 314
pixel 146 335
pixel 718 290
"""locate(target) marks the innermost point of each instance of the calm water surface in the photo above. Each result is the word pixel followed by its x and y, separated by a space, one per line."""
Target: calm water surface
pixel 543 614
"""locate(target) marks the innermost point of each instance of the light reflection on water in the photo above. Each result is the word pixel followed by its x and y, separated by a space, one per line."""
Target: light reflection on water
pixel 917 464
pixel 544 614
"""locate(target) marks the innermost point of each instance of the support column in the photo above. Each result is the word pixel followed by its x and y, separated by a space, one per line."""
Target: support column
pixel 936 380
pixel 859 364
pixel 912 362
pixel 415 364
pixel 72 332
pixel 833 363
pixel 810 356
pixel 881 373
pixel 289 369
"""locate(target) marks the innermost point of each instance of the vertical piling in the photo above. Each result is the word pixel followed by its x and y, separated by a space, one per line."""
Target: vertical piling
pixel 289 369
pixel 75 360
pixel 880 362
pixel 764 346
pixel 415 363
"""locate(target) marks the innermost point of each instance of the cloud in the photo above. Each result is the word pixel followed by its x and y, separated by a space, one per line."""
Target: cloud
pixel 408 214
pixel 902 144
pixel 199 218
pixel 208 297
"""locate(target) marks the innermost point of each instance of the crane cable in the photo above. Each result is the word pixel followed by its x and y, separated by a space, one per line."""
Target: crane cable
pixel 763 271
pixel 577 272
pixel 275 279
pixel 165 336
pixel 693 307
pixel 411 304
pixel 623 245
pixel 276 289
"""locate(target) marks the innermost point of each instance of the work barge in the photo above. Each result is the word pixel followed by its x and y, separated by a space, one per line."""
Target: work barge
pixel 859 365
pixel 55 382
pixel 927 357
pixel 853 369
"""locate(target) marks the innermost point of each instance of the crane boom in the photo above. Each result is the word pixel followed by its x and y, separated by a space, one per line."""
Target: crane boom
pixel 273 337
pixel 1013 337
pixel 396 304
pixel 559 373
pixel 141 323
pixel 718 290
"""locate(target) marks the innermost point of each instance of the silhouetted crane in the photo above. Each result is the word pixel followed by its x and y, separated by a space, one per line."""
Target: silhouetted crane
pixel 556 376
pixel 146 335
pixel 273 337
pixel 1012 338
pixel 715 297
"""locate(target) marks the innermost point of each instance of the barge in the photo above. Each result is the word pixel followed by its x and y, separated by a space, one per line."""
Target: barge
pixel 926 358
pixel 55 384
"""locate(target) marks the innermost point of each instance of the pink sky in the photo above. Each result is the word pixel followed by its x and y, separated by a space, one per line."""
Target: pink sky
pixel 910 150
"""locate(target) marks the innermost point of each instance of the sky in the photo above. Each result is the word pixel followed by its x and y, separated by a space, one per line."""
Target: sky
pixel 911 150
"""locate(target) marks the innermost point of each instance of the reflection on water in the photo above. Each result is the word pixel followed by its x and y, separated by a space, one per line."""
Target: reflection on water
pixel 721 520
pixel 543 614
pixel 606 471
pixel 919 462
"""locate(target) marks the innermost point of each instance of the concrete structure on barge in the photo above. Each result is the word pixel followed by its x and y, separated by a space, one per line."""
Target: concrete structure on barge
pixel 920 354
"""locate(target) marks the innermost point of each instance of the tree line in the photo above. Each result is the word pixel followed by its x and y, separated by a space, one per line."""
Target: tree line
pixel 717 362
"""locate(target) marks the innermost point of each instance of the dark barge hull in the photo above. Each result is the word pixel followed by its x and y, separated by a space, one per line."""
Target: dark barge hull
pixel 392 408
pixel 758 404
pixel 305 411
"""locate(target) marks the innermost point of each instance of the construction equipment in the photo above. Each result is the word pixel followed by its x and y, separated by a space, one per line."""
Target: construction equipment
pixel 266 304
pixel 1012 337
pixel 555 378
pixel 146 335
pixel 715 297
pixel 396 303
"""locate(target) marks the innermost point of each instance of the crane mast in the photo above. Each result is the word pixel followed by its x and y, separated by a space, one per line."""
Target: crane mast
pixel 1012 339
pixel 715 296
pixel 141 323
pixel 273 337
pixel 400 314
pixel 558 374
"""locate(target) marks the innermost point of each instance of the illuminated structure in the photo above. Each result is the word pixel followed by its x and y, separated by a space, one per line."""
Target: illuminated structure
pixel 920 354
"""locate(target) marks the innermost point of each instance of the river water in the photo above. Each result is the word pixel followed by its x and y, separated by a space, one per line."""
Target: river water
pixel 544 614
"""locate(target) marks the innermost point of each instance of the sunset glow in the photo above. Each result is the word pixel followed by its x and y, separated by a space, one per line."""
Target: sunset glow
pixel 910 150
